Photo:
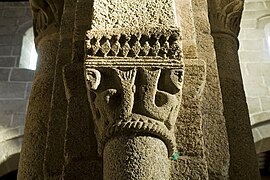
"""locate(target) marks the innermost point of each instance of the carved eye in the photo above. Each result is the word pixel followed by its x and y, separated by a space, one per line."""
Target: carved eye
pixel 177 78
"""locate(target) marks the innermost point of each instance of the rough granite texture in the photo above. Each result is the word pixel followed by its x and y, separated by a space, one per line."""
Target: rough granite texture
pixel 243 163
pixel 214 129
pixel 62 131
pixel 136 157
pixel 109 14
pixel 33 149
pixel 54 152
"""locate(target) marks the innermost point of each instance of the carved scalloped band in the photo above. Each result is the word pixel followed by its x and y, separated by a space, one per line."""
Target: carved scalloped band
pixel 133 42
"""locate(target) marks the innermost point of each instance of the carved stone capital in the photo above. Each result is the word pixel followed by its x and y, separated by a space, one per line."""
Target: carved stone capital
pixel 135 81
pixel 46 15
pixel 225 17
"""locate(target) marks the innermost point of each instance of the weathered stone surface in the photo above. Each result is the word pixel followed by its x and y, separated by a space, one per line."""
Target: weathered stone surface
pixel 12 90
pixel 114 14
pixel 215 136
pixel 22 75
pixel 7 61
pixel 54 159
pixel 136 157
pixel 192 161
pixel 4 74
pixel 33 149
pixel 83 161
pixel 225 28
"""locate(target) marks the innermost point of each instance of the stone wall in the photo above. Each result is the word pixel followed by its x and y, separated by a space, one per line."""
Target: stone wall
pixel 15 82
pixel 254 56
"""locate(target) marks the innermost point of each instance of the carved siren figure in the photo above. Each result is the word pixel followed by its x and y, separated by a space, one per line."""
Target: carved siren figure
pixel 135 83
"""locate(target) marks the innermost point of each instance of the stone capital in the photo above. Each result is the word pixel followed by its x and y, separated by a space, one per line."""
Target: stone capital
pixel 225 16
pixel 134 78
pixel 46 16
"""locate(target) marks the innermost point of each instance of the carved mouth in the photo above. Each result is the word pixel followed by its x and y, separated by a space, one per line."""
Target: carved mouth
pixel 144 124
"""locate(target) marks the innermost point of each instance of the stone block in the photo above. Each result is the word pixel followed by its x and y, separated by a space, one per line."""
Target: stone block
pixel 12 90
pixel 249 80
pixel 266 69
pixel 264 130
pixel 4 74
pixel 260 117
pixel 6 39
pixel 254 14
pixel 253 6
pixel 248 23
pixel 256 90
pixel 265 103
pixel 254 69
pixel 18 120
pixel 5 50
pixel 14 12
pixel 251 34
pixel 252 45
pixel 10 29
pixel 7 61
pixel 253 56
pixel 254 105
pixel 16 50
pixel 13 106
pixel 22 75
pixel 7 21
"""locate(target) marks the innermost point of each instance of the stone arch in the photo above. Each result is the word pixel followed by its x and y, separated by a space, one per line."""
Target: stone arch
pixel 261 133
pixel 263 21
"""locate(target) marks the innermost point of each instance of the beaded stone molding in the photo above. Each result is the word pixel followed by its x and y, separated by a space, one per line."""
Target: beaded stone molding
pixel 134 81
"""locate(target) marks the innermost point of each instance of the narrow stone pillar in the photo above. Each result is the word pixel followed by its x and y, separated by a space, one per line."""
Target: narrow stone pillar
pixel 225 19
pixel 54 152
pixel 46 25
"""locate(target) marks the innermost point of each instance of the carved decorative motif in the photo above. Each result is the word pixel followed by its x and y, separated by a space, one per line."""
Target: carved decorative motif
pixel 131 88
pixel 45 13
pixel 119 42
pixel 226 19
